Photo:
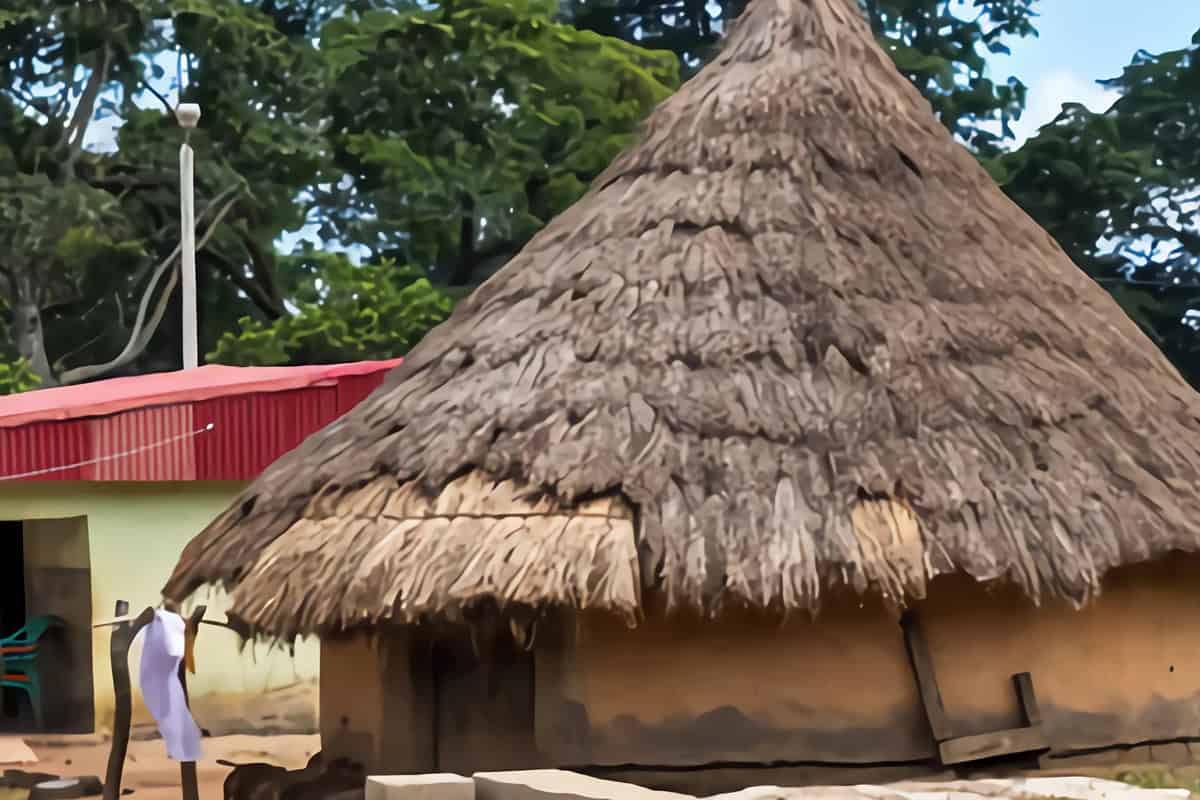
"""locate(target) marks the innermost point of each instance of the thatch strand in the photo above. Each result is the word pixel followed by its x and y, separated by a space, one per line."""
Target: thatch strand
pixel 403 555
pixel 798 329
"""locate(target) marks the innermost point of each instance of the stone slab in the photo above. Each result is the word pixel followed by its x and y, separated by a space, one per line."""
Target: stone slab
pixel 433 786
pixel 1058 788
pixel 557 784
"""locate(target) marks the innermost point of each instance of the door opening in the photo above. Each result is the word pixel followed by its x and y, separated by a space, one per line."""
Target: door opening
pixel 50 577
pixel 12 598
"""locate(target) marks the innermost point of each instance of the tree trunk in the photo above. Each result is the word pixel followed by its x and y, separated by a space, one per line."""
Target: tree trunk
pixel 29 337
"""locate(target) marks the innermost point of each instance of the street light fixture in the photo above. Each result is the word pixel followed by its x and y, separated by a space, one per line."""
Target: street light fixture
pixel 188 116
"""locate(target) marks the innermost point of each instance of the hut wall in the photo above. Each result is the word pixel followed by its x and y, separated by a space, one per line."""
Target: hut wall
pixel 377 706
pixel 744 689
pixel 419 700
pixel 485 703
pixel 749 689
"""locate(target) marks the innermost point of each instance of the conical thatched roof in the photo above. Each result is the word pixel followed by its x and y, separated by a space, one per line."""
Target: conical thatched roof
pixel 795 337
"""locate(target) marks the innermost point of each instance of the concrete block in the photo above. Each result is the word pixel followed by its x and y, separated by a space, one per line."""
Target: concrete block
pixel 557 784
pixel 441 786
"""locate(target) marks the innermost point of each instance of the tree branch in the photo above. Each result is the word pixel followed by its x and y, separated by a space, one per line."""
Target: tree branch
pixel 261 263
pixel 123 181
pixel 147 268
pixel 82 118
pixel 61 361
pixel 252 289
pixel 32 103
pixel 64 97
pixel 161 98
pixel 143 329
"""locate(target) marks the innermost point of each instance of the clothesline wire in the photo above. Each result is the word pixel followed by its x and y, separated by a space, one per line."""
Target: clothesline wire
pixel 110 457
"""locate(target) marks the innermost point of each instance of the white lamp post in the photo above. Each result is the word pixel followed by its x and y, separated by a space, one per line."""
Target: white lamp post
pixel 188 116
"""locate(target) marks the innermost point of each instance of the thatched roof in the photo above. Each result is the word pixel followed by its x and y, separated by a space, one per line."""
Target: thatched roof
pixel 794 337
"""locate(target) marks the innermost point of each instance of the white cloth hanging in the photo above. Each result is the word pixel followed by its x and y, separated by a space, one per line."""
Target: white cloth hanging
pixel 163 644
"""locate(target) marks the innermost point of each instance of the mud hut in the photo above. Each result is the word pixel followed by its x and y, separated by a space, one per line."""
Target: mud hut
pixel 793 443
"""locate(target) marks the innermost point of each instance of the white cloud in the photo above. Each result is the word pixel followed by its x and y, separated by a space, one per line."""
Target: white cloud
pixel 1047 94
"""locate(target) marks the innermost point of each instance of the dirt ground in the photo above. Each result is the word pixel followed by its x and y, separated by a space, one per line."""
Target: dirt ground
pixel 148 771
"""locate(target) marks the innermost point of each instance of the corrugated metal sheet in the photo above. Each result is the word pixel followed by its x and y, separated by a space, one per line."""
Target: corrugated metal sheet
pixel 155 445
pixel 171 443
pixel 45 445
pixel 353 389
pixel 251 431
pixel 116 395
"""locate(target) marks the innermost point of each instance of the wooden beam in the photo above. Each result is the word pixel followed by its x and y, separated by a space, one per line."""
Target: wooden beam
pixel 960 749
pixel 992 745
pixel 922 664
pixel 123 635
pixel 1031 713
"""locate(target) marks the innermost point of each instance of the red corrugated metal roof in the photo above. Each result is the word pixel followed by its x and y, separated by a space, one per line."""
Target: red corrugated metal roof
pixel 164 388
pixel 211 423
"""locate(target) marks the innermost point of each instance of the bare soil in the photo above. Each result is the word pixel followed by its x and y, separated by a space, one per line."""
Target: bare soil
pixel 148 771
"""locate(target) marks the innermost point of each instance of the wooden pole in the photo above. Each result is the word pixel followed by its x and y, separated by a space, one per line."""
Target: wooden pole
pixel 187 769
pixel 123 635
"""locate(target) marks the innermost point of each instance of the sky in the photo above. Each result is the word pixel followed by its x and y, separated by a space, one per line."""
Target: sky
pixel 1080 41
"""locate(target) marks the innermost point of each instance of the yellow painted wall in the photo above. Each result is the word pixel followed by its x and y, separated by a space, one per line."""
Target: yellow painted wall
pixel 135 533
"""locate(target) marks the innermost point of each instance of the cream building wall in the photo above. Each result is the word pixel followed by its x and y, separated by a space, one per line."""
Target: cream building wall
pixel 128 536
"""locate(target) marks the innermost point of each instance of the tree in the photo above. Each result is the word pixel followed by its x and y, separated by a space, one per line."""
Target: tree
pixel 91 236
pixel 458 130
pixel 435 138
pixel 462 128
pixel 1119 189
pixel 940 45
pixel 344 311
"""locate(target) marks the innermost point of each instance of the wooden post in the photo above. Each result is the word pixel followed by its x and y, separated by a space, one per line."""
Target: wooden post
pixel 954 749
pixel 123 635
pixel 922 664
pixel 1030 712
pixel 187 769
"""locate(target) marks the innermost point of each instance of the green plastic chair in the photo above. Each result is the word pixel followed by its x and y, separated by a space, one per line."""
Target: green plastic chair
pixel 19 661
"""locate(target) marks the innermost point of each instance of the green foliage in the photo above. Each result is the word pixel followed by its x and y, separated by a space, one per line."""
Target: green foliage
pixel 464 127
pixel 943 54
pixel 1158 779
pixel 1118 190
pixel 87 228
pixel 444 135
pixel 439 135
pixel 1072 176
pixel 345 312
pixel 17 377
pixel 54 232
pixel 939 45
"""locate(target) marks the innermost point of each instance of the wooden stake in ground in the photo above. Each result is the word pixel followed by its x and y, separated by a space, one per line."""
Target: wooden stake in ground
pixel 187 769
pixel 122 638
pixel 124 632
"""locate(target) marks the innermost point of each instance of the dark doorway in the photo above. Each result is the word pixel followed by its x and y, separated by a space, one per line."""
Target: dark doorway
pixel 484 693
pixel 12 595
pixel 45 571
